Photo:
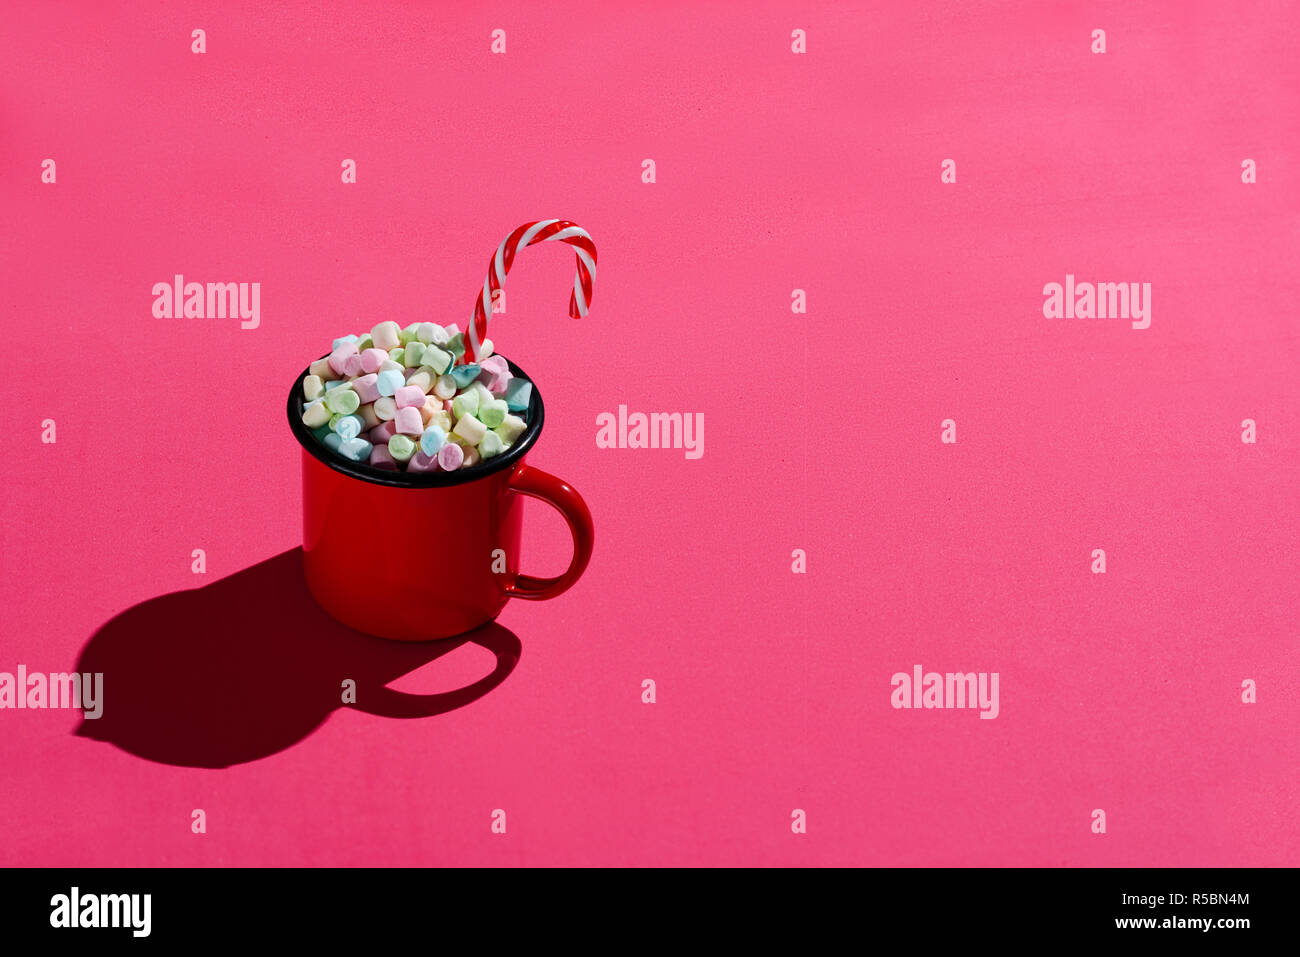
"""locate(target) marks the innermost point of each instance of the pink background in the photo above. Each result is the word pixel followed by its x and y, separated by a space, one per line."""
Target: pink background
pixel 775 171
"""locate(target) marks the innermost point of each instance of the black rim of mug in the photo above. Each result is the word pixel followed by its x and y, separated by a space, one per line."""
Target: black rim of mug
pixel 402 479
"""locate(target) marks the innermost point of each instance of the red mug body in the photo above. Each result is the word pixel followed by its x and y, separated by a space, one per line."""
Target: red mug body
pixel 417 557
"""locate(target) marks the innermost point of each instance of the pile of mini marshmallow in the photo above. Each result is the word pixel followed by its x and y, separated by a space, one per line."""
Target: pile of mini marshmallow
pixel 396 399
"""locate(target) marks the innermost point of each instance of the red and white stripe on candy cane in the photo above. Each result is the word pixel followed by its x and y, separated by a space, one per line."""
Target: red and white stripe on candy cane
pixel 560 230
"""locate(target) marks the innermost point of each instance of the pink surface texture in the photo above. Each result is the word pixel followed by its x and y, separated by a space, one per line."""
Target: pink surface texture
pixel 774 171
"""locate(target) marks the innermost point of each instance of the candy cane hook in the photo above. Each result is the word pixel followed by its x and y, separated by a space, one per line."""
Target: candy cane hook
pixel 547 230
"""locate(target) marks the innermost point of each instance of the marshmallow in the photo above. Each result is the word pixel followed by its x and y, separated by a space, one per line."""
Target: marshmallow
pixel 445 387
pixel 491 445
pixel 422 380
pixel 511 428
pixel 348 426
pixel 342 400
pixel 408 421
pixel 385 408
pixel 356 449
pixel 390 381
pixel 401 448
pixel 437 359
pixel 409 395
pixel 312 387
pixel 432 440
pixel 372 360
pixel 431 405
pixel 518 394
pixel 470 429
pixel 367 387
pixel 412 354
pixel 464 375
pixel 493 413
pixel 422 463
pixel 386 335
pixel 381 433
pixel 381 459
pixel 316 415
pixel 321 368
pixel 464 404
pixel 450 457
pixel 339 358
pixel 431 334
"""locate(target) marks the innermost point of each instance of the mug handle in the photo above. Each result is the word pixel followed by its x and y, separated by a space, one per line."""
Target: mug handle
pixel 561 496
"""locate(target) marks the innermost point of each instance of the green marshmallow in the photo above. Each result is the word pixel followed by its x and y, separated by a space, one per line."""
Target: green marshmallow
pixel 492 413
pixel 436 359
pixel 490 445
pixel 401 448
pixel 456 344
pixel 511 429
pixel 365 342
pixel 397 354
pixel 343 401
pixel 409 334
pixel 465 404
pixel 412 354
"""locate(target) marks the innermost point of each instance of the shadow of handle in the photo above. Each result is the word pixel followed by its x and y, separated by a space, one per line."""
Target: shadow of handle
pixel 385 702
pixel 563 498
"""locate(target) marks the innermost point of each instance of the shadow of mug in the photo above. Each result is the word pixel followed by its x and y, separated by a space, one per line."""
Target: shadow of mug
pixel 250 665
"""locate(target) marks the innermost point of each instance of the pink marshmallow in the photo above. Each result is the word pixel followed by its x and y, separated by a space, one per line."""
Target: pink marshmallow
pixel 494 365
pixel 422 463
pixel 446 405
pixel 450 456
pixel 380 459
pixel 372 359
pixel 499 382
pixel 366 387
pixel 381 433
pixel 339 357
pixel 352 367
pixel 409 395
pixel 408 420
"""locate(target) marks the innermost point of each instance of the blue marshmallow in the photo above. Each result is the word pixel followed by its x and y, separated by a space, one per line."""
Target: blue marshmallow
pixel 358 450
pixel 349 426
pixel 333 441
pixel 341 341
pixel 390 380
pixel 464 375
pixel 432 440
pixel 519 392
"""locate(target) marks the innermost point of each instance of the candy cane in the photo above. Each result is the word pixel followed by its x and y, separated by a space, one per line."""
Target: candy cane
pixel 527 234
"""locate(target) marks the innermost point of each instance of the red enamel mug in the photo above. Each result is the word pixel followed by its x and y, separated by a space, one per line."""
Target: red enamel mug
pixel 419 556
